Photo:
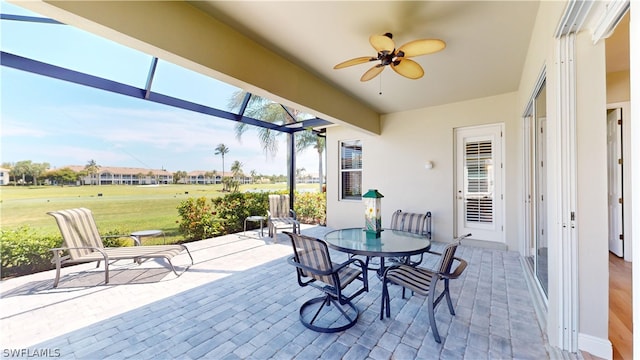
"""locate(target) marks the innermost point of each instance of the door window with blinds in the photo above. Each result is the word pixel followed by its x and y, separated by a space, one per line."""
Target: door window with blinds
pixel 479 179
pixel 351 170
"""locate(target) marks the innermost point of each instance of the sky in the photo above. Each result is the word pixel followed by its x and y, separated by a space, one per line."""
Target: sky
pixel 48 120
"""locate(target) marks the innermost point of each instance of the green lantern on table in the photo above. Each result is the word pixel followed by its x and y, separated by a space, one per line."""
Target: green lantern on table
pixel 373 211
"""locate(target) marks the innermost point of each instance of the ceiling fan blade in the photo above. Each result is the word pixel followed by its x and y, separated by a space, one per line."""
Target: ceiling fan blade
pixel 382 43
pixel 421 47
pixel 408 68
pixel 371 73
pixel 355 61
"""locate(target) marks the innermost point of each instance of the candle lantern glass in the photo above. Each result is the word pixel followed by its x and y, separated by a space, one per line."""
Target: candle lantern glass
pixel 373 211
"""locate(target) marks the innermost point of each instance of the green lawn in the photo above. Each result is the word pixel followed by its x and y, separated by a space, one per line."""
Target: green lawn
pixel 121 207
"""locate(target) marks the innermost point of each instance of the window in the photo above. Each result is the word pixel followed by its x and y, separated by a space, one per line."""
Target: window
pixel 351 170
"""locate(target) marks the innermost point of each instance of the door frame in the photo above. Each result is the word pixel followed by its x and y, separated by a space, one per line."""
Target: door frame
pixel 499 200
pixel 626 175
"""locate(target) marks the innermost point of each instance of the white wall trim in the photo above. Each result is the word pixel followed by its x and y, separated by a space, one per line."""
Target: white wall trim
pixel 595 346
pixel 564 178
pixel 611 14
pixel 634 47
pixel 626 180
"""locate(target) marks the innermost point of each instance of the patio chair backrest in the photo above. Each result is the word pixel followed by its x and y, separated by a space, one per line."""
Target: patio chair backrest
pixel 446 260
pixel 313 253
pixel 412 222
pixel 78 229
pixel 279 206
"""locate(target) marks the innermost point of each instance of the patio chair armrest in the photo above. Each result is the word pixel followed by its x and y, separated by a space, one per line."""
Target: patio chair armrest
pixel 293 214
pixel 392 267
pixel 352 260
pixel 101 251
pixel 292 261
pixel 458 271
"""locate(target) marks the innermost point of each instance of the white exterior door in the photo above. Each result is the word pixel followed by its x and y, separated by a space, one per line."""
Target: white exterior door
pixel 615 199
pixel 479 172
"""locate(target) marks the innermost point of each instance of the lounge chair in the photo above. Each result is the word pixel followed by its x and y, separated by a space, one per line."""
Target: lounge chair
pixel 424 282
pixel 281 216
pixel 314 268
pixel 82 243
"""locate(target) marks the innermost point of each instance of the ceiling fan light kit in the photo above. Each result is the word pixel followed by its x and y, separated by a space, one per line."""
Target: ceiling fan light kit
pixel 396 58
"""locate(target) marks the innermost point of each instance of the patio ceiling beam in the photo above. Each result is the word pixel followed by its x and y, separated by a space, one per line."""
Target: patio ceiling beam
pixel 60 73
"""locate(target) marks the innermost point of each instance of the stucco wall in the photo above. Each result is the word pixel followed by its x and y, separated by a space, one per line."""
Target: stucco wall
pixel 591 207
pixel 394 163
pixel 618 88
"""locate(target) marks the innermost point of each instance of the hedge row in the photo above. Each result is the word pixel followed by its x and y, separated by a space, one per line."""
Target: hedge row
pixel 25 251
pixel 202 218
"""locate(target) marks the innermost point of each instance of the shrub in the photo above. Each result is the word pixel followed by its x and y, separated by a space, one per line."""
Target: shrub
pixel 24 251
pixel 197 220
pixel 232 209
pixel 226 215
pixel 116 238
pixel 311 208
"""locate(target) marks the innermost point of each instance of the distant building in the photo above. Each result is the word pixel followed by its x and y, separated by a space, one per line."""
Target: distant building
pixel 111 175
pixel 4 176
pixel 202 177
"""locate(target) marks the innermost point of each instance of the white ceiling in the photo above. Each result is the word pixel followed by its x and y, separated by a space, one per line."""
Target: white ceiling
pixel 486 44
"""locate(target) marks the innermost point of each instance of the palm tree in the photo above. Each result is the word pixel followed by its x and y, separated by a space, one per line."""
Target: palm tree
pixel 306 139
pixel 253 176
pixel 265 110
pixel 92 168
pixel 236 168
pixel 222 150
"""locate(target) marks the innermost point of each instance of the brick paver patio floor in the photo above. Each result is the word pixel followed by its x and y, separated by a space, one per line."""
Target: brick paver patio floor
pixel 240 301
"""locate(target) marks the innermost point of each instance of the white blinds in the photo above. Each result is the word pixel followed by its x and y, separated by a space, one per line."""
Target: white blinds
pixel 478 182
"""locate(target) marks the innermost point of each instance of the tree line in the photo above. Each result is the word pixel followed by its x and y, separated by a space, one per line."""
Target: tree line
pixel 27 172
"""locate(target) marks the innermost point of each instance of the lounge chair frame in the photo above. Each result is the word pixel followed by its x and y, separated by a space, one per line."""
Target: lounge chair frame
pixel 83 244
pixel 281 216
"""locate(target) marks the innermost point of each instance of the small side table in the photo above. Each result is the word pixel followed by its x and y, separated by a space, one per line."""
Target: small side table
pixel 138 235
pixel 255 219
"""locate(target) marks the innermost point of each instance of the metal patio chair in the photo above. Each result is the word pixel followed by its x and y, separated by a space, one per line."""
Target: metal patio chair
pixel 315 268
pixel 425 281
pixel 416 223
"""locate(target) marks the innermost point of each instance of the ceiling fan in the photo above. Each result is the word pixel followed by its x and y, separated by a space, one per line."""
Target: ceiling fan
pixel 397 58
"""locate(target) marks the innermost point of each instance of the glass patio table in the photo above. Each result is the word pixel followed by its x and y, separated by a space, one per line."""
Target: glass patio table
pixel 390 243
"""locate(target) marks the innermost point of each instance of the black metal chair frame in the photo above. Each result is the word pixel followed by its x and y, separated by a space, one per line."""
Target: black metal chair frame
pixel 424 281
pixel 398 222
pixel 333 293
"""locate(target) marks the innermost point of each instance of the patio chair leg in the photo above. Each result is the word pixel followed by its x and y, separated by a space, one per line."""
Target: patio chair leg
pixel 57 279
pixel 174 269
pixel 56 258
pixel 106 272
pixel 432 319
pixel 446 291
pixel 384 291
